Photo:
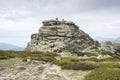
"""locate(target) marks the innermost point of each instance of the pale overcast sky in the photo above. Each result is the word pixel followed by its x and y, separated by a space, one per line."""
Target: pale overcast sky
pixel 20 18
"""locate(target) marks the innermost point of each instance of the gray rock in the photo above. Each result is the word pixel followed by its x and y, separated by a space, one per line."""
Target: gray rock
pixel 60 36
pixel 112 47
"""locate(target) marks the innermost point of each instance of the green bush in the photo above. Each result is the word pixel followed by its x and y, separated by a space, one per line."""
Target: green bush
pixel 65 60
pixel 75 64
pixel 96 60
pixel 24 59
pixel 114 59
pixel 84 53
pixel 48 56
pixel 103 52
pixel 104 74
pixel 80 66
pixel 62 62
pixel 109 65
pixel 3 57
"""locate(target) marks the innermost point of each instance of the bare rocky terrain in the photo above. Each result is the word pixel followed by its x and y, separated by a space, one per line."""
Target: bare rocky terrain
pixel 15 69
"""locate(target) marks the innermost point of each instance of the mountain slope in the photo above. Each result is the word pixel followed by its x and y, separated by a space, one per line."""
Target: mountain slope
pixel 6 46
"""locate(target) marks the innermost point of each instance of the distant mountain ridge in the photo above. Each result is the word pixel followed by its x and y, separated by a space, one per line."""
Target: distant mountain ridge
pixel 7 46
pixel 117 40
pixel 113 40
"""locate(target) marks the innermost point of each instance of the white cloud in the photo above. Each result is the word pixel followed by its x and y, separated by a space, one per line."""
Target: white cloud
pixel 18 19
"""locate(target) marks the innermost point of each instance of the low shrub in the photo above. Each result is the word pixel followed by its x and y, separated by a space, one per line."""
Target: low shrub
pixel 109 65
pixel 75 64
pixel 48 56
pixel 96 60
pixel 79 66
pixel 3 57
pixel 103 52
pixel 84 53
pixel 96 48
pixel 24 59
pixel 104 60
pixel 104 74
pixel 65 60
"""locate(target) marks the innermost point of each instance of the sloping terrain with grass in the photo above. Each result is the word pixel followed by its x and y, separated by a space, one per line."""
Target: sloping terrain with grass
pixel 15 65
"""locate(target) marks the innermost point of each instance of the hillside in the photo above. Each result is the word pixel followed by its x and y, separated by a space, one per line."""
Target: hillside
pixel 6 46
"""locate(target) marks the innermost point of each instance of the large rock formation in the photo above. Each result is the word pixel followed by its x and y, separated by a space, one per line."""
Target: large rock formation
pixel 60 36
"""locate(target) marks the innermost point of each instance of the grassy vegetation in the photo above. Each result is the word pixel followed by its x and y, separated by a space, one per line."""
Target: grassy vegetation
pixel 48 57
pixel 80 66
pixel 103 52
pixel 96 48
pixel 102 69
pixel 104 74
pixel 84 53
pixel 65 63
pixel 89 54
pixel 94 59
pixel 108 70
pixel 75 64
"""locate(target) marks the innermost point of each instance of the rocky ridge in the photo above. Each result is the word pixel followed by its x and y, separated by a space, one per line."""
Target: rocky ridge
pixel 60 36
pixel 63 36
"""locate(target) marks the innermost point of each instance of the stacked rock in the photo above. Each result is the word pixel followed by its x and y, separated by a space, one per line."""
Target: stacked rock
pixel 60 36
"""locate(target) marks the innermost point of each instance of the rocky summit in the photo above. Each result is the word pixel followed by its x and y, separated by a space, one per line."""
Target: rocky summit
pixel 60 36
